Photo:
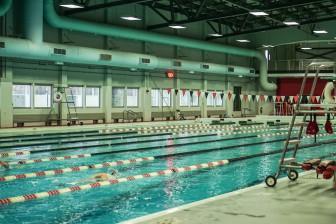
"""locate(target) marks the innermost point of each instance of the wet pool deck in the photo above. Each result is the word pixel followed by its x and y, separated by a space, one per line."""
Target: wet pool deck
pixel 306 201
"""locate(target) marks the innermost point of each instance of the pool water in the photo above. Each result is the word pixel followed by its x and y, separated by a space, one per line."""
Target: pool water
pixel 113 204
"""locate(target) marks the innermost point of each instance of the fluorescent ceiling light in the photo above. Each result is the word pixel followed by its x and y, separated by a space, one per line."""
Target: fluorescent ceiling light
pixel 215 34
pixel 177 27
pixel 291 23
pixel 306 48
pixel 320 31
pixel 240 76
pixel 130 18
pixel 243 41
pixel 72 6
pixel 259 13
pixel 264 45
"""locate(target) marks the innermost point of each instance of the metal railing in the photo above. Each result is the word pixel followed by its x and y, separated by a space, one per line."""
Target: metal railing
pixel 129 115
pixel 292 64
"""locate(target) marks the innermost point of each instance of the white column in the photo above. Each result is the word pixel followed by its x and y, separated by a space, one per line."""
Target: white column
pixel 107 98
pixel 203 99
pixel 146 99
pixel 6 108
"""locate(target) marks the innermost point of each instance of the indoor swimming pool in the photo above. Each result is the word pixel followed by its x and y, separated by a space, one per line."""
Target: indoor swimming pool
pixel 135 198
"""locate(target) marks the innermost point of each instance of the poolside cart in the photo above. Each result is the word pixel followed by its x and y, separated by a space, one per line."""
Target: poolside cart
pixel 288 164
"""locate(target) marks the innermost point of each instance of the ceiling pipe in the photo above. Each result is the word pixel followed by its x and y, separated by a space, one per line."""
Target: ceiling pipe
pixel 21 48
pixel 57 21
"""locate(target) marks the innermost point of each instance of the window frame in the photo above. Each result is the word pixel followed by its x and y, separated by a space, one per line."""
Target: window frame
pixel 123 97
pixel 213 99
pixel 51 95
pixel 30 95
pixel 195 93
pixel 159 103
pixel 99 97
pixel 83 89
pixel 187 94
pixel 138 97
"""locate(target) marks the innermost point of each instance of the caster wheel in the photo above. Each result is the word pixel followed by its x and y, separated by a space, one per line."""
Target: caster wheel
pixel 271 181
pixel 293 175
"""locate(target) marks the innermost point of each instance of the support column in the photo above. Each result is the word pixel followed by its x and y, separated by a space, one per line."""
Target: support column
pixel 146 98
pixel 6 85
pixel 176 98
pixel 63 84
pixel 107 97
pixel 203 100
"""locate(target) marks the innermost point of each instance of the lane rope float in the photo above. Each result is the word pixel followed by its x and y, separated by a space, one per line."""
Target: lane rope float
pixel 14 154
pixel 29 197
pixel 73 169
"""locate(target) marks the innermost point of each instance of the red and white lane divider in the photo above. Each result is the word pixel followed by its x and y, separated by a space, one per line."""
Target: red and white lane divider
pixel 245 132
pixel 30 161
pixel 29 197
pixel 295 132
pixel 14 154
pixel 73 169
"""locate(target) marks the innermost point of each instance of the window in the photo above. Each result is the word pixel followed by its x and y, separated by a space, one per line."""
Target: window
pixel 132 97
pixel 210 99
pixel 184 99
pixel 195 99
pixel 92 97
pixel 219 100
pixel 21 95
pixel 118 97
pixel 166 99
pixel 42 96
pixel 155 93
pixel 75 96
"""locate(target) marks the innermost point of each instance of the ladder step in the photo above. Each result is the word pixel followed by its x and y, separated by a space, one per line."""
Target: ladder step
pixel 294 142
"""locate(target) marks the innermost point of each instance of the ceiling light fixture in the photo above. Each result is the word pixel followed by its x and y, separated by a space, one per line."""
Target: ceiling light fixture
pixel 320 31
pixel 259 13
pixel 291 23
pixel 306 48
pixel 243 41
pixel 177 27
pixel 215 34
pixel 130 18
pixel 267 46
pixel 72 6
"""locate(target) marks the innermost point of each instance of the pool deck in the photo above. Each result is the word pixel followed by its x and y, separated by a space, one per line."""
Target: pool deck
pixel 308 200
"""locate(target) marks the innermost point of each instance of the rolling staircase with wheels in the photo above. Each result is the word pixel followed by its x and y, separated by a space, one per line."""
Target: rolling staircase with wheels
pixel 288 164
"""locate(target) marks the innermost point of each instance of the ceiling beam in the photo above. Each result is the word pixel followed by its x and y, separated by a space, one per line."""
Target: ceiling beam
pixel 273 28
pixel 236 13
pixel 104 5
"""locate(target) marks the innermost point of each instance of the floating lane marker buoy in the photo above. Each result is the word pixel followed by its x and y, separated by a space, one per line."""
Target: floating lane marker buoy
pixel 14 154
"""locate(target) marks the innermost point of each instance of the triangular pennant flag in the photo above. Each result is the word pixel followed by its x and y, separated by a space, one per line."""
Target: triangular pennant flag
pixel 214 94
pixel 253 97
pixel 291 99
pixel 283 98
pixel 176 91
pixel 257 98
pixel 249 97
pixel 191 93
pixel 241 97
pixel 318 98
pixel 199 93
pixel 296 98
pixel 262 98
pixel 229 95
pixel 313 99
pixel 222 96
pixel 278 98
pixel 245 98
pixel 168 90
pixel 183 92
pixel 206 94
pixel 274 98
